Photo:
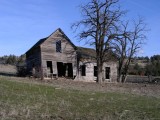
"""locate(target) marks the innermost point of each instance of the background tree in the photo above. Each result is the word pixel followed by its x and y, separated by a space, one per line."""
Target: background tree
pixel 18 61
pixel 153 68
pixel 21 66
pixel 137 70
pixel 11 59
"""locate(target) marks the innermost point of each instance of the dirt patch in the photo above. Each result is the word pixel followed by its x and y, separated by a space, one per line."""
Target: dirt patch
pixel 127 88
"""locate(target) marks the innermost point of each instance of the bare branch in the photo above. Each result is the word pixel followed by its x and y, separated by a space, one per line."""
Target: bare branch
pixel 103 28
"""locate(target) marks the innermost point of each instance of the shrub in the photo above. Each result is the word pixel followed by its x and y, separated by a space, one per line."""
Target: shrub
pixel 21 71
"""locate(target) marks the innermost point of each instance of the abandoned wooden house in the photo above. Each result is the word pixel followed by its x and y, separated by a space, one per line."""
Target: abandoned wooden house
pixel 56 56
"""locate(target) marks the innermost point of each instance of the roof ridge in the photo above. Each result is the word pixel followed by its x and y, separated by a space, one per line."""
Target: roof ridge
pixel 85 47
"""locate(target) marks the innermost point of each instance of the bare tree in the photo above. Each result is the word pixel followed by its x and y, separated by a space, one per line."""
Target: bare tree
pixel 127 45
pixel 99 25
pixel 102 27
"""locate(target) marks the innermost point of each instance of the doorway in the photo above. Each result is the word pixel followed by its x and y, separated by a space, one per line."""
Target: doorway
pixel 107 72
pixel 61 69
pixel 83 70
pixel 64 69
pixel 70 69
pixel 49 67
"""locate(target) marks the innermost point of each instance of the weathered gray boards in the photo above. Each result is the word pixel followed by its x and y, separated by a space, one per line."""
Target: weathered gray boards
pixel 57 56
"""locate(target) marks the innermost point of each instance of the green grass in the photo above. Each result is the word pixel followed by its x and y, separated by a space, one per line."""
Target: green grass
pixel 23 101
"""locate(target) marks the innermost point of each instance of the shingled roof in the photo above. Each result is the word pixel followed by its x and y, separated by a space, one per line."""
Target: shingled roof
pixel 88 53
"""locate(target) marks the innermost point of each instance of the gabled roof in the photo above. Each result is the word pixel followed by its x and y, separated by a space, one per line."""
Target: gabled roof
pixel 65 36
pixel 44 39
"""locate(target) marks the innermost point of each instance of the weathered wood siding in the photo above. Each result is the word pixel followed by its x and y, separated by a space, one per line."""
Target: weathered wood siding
pixel 33 60
pixel 48 52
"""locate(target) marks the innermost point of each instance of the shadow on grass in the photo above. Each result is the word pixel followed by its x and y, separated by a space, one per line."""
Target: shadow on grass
pixel 8 74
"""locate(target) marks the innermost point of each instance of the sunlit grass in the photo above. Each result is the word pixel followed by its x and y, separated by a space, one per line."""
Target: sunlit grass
pixel 22 101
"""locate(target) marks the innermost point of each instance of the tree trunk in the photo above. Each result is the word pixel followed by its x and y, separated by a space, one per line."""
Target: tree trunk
pixel 126 70
pixel 124 77
pixel 119 73
pixel 119 77
pixel 99 72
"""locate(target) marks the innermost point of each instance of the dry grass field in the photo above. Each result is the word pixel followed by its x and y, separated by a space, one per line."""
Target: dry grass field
pixel 9 70
pixel 23 99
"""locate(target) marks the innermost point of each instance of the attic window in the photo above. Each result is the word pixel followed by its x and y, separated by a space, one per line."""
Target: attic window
pixel 58 46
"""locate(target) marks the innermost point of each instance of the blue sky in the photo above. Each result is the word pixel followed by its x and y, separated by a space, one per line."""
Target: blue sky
pixel 24 22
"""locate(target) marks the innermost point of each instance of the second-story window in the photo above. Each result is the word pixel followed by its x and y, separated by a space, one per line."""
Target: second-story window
pixel 58 46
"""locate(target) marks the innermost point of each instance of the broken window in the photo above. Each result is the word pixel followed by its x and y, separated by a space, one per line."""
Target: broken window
pixel 107 72
pixel 58 46
pixel 95 71
pixel 83 70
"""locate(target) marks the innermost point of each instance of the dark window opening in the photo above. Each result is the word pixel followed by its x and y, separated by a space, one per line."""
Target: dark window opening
pixel 83 70
pixel 107 72
pixel 95 71
pixel 58 46
pixel 49 67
